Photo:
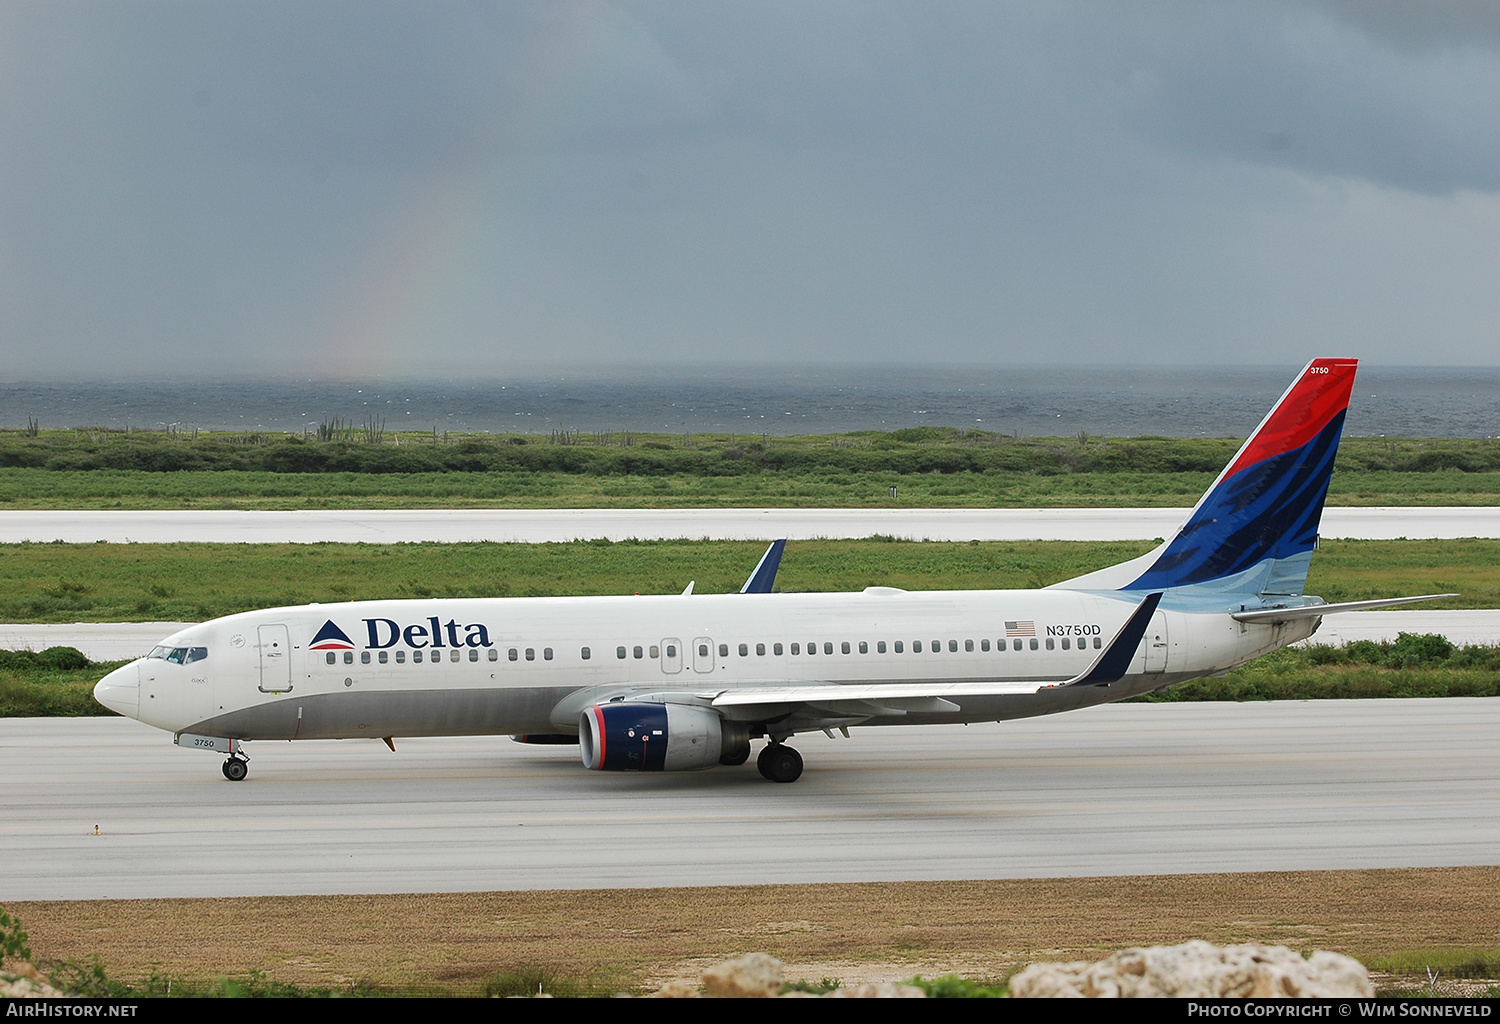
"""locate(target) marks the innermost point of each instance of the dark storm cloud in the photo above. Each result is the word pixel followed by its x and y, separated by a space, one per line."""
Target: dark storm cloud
pixel 216 186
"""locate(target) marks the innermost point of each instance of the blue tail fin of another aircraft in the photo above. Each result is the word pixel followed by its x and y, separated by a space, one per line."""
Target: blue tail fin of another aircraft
pixel 1254 531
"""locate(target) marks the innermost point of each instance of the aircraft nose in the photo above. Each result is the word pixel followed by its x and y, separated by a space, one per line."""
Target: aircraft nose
pixel 120 691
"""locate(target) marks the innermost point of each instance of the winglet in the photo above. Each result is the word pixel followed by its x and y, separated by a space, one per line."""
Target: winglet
pixel 765 572
pixel 1115 661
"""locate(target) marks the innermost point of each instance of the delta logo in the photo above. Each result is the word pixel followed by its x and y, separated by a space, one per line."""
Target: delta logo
pixel 331 638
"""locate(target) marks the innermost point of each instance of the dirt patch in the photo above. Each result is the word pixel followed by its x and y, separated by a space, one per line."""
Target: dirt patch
pixel 855 932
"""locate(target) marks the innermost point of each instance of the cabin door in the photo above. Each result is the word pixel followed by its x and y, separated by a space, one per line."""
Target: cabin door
pixel 275 659
pixel 1156 645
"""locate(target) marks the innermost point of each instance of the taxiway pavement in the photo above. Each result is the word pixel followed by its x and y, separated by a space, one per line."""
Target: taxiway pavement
pixel 390 526
pixel 1117 790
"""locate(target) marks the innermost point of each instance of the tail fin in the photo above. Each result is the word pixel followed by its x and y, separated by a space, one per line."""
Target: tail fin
pixel 1253 531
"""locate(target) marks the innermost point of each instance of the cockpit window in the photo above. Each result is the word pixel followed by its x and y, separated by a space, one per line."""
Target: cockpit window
pixel 179 655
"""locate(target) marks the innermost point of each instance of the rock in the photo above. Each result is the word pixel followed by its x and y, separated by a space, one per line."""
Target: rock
pixel 753 976
pixel 27 983
pixel 1200 970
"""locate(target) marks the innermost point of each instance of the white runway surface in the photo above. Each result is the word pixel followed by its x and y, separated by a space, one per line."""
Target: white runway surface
pixel 382 526
pixel 114 641
pixel 1124 789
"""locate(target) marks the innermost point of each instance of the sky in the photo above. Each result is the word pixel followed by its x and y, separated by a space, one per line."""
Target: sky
pixel 365 190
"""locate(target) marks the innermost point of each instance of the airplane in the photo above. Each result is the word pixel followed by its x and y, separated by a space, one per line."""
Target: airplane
pixel 689 681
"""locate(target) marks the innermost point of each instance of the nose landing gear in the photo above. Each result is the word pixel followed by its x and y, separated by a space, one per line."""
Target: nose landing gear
pixel 236 767
pixel 779 763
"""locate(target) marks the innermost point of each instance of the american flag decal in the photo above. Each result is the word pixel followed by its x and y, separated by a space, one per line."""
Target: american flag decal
pixel 1022 627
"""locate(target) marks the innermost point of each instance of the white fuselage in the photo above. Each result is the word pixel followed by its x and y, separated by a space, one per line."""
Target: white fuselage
pixel 530 665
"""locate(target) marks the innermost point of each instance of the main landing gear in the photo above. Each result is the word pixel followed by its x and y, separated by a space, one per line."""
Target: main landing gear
pixel 779 763
pixel 236 767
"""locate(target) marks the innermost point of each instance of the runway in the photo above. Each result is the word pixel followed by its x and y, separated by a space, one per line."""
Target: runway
pixel 390 526
pixel 1123 789
pixel 114 641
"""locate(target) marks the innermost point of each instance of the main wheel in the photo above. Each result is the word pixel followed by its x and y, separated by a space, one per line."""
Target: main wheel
pixel 235 770
pixel 780 763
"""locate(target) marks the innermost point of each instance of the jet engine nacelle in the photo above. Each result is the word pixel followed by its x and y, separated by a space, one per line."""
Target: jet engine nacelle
pixel 646 736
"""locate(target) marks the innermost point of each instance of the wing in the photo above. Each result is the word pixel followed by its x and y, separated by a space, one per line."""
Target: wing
pixel 877 699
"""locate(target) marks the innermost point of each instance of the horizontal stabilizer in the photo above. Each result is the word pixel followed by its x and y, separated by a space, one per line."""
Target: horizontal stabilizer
pixel 1310 611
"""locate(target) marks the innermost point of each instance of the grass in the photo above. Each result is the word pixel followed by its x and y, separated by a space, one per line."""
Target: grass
pixel 193 582
pixel 235 489
pixel 931 467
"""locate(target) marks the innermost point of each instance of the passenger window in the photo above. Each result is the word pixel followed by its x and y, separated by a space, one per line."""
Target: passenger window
pixel 400 657
pixel 1097 644
pixel 760 650
pixel 655 652
pixel 812 648
pixel 348 657
pixel 416 655
pixel 844 647
pixel 953 646
pixel 744 650
pixel 385 656
pixel 864 648
pixel 796 648
pixel 1033 644
pixel 330 657
pixel 900 647
pixel 585 653
pixel 452 656
pixel 984 645
pixel 364 657
pixel 828 647
pixel 968 645
pixel 531 654
pixel 1066 644
pixel 1017 644
pixel 494 654
pixel 512 654
pixel 723 650
pixel 671 650
pixel 880 647
pixel 547 653
pixel 637 653
pixel 1049 643
pixel 620 653
pixel 474 654
pixel 776 649
pixel 937 646
pixel 916 647
pixel 703 650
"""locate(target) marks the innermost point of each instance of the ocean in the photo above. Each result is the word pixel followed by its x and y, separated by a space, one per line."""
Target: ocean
pixel 1028 401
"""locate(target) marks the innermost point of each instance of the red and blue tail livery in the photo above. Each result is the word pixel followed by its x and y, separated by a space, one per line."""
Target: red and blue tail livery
pixel 1263 511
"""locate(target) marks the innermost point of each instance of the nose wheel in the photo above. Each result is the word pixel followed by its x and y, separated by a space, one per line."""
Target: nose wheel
pixel 236 768
pixel 779 763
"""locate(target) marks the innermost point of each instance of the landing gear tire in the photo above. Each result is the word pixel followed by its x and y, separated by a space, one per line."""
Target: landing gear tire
pixel 780 763
pixel 235 769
